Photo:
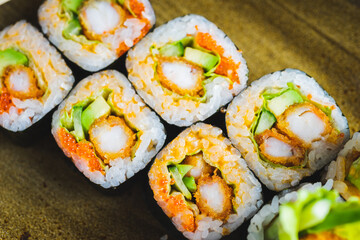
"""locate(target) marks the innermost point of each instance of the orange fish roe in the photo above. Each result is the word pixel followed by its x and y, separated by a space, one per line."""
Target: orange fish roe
pixel 137 8
pixel 123 47
pixel 83 149
pixel 176 204
pixel 5 102
pixel 227 66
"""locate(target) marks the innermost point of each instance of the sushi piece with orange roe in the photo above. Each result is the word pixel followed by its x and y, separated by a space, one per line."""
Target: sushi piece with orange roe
pixel 203 185
pixel 187 69
pixel 94 33
pixel 33 77
pixel 106 129
pixel 287 127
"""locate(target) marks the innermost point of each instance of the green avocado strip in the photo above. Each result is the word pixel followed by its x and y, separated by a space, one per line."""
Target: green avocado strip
pixel 78 129
pixel 72 5
pixel 10 57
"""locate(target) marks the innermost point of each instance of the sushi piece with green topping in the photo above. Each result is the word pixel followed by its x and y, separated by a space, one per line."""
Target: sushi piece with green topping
pixel 94 33
pixel 34 77
pixel 311 213
pixel 345 170
pixel 287 127
pixel 106 129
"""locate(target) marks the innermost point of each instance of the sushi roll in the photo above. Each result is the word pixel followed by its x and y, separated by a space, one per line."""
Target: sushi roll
pixel 314 212
pixel 346 169
pixel 94 33
pixel 34 77
pixel 186 70
pixel 203 185
pixel 286 127
pixel 106 129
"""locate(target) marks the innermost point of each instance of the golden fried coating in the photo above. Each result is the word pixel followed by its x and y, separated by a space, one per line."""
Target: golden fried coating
pixel 115 128
pixel 297 152
pixel 87 27
pixel 200 166
pixel 329 132
pixel 19 76
pixel 214 197
pixel 196 71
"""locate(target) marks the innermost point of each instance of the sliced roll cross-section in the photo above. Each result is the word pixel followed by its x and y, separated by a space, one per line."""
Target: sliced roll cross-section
pixel 107 131
pixel 94 33
pixel 313 212
pixel 203 185
pixel 345 170
pixel 287 127
pixel 186 70
pixel 33 77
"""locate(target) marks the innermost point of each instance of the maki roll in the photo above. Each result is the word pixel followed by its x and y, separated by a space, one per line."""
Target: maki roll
pixel 286 127
pixel 201 182
pixel 107 131
pixel 346 169
pixel 311 213
pixel 186 70
pixel 34 77
pixel 94 33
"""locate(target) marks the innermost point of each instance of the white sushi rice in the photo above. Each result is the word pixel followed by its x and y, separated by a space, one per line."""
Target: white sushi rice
pixel 103 53
pixel 172 107
pixel 49 69
pixel 338 169
pixel 269 211
pixel 130 104
pixel 240 115
pixel 247 193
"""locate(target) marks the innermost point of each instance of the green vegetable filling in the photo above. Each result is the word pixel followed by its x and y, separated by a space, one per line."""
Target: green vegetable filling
pixel 179 183
pixel 84 114
pixel 10 57
pixel 315 212
pixel 275 103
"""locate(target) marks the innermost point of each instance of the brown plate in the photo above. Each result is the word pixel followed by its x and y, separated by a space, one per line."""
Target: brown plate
pixel 43 196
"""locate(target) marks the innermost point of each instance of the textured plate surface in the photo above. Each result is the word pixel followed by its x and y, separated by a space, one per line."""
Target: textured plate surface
pixel 43 196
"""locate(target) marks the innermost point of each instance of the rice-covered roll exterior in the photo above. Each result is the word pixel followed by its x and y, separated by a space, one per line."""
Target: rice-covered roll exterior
pixel 106 129
pixel 314 212
pixel 186 70
pixel 203 185
pixel 345 171
pixel 34 77
pixel 94 33
pixel 286 127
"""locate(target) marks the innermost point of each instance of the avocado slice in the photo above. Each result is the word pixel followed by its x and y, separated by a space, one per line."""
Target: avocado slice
pixel 190 183
pixel 279 104
pixel 354 173
pixel 183 169
pixel 12 57
pixel 179 184
pixel 201 58
pixel 72 5
pixel 172 50
pixel 78 129
pixel 96 109
pixel 73 28
pixel 187 41
pixel 266 121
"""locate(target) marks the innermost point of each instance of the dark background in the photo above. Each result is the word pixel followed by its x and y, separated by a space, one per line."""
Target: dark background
pixel 42 194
